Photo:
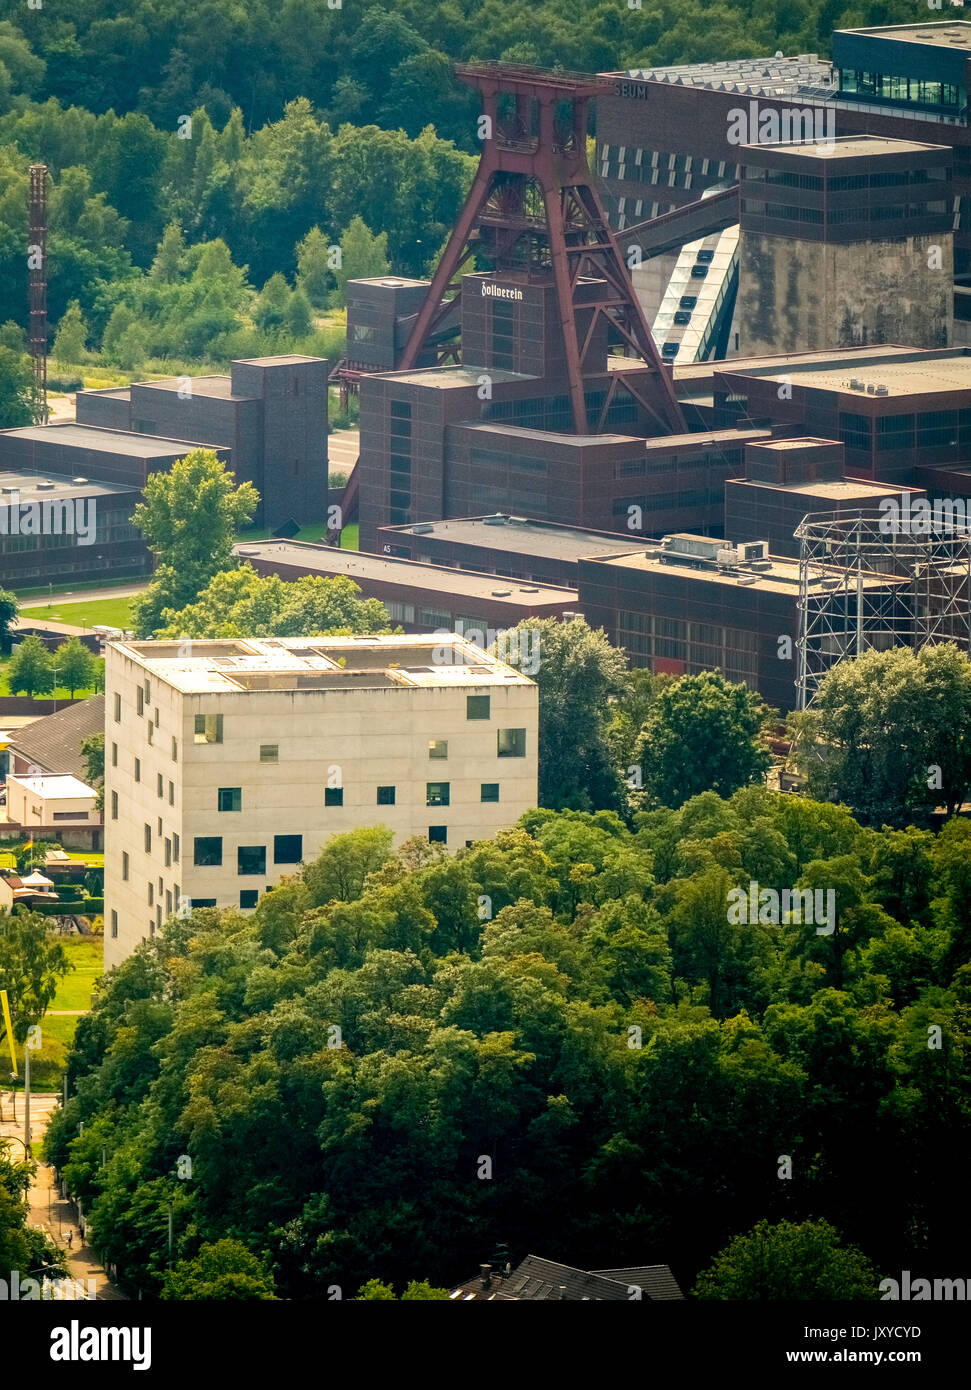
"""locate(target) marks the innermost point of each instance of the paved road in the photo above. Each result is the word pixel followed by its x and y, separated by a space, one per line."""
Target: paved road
pixel 85 595
pixel 49 1211
pixel 343 447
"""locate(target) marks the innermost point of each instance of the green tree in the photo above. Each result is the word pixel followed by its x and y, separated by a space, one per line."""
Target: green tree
pixel 168 264
pixel 299 319
pixel 339 871
pixel 189 519
pixel 16 390
pixel 896 733
pixel 363 255
pixel 789 1262
pixel 70 340
pixel 76 666
pixel 31 963
pixel 222 1270
pixel 31 669
pixel 93 752
pixel 270 311
pixel 9 608
pixel 315 274
pixel 576 670
pixel 702 733
pixel 241 603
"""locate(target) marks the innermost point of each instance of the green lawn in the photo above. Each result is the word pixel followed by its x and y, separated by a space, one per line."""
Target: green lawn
pixel 317 532
pixel 112 612
pixel 86 954
pixel 349 537
pixel 73 992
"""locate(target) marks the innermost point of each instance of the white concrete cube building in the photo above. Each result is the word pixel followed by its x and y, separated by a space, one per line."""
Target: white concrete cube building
pixel 229 762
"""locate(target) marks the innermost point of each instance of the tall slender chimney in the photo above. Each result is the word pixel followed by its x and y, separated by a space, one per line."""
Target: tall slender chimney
pixel 485 1276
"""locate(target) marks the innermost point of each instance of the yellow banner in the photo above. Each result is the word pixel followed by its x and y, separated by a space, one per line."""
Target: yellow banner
pixel 9 1027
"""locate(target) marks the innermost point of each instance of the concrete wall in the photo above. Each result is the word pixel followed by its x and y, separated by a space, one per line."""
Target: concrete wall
pixel 373 737
pixel 802 296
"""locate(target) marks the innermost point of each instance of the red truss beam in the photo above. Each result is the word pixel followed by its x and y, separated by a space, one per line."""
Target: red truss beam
pixel 533 205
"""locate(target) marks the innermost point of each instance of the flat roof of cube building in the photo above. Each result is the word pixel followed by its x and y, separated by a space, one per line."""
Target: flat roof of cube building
pixel 947 33
pixel 212 666
pixel 899 373
pixel 847 147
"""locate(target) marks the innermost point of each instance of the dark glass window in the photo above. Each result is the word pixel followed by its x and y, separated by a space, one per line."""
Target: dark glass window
pixel 229 799
pixel 385 796
pixel 490 791
pixel 436 793
pixel 478 706
pixel 208 850
pixel 438 834
pixel 511 743
pixel 248 897
pixel 287 849
pixel 251 859
pixel 333 796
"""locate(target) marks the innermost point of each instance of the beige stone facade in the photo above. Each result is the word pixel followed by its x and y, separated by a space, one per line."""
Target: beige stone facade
pixel 227 763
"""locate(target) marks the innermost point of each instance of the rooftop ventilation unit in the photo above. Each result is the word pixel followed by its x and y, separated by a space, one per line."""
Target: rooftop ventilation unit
pixel 761 565
pixel 497 520
pixel 501 593
pixel 871 389
pixel 528 589
pixel 856 384
pixel 46 486
pixel 518 520
pixel 745 579
pixel 422 529
pixel 79 481
pixel 882 391
pixel 754 550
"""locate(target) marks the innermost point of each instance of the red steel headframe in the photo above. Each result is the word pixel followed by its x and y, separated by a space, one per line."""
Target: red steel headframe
pixel 534 203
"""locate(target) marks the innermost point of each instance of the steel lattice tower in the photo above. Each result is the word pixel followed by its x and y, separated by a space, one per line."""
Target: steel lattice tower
pixel 533 207
pixel 37 271
pixel 862 586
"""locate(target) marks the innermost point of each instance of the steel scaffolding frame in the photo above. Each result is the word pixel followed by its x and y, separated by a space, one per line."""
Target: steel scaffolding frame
pixel 863 585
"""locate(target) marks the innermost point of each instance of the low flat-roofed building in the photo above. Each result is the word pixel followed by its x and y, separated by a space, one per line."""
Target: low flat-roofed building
pixel 690 603
pixel 239 759
pixel 897 411
pixel 513 547
pixel 418 597
pixel 45 804
pixel 61 527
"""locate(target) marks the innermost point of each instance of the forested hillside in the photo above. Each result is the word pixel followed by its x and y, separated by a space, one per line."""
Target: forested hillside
pixel 554 1042
pixel 250 125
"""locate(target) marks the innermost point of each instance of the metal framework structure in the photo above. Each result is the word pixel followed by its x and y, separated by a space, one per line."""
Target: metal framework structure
pixel 862 586
pixel 534 208
pixel 37 271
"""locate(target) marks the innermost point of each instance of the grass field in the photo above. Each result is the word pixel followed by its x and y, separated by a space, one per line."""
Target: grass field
pixel 349 537
pixel 317 532
pixel 73 992
pixel 113 612
pixel 86 954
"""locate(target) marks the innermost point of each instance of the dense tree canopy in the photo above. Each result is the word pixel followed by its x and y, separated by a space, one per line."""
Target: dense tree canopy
pixel 569 1002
